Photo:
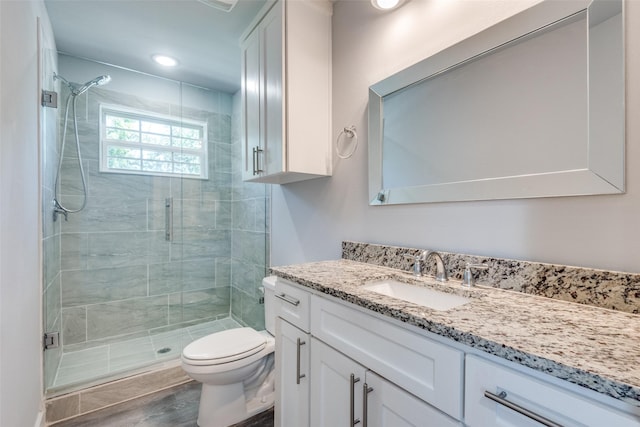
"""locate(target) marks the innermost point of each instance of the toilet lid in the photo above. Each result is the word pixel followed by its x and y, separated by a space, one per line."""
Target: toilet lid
pixel 225 346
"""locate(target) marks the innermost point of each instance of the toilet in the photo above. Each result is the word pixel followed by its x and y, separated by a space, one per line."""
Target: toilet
pixel 235 368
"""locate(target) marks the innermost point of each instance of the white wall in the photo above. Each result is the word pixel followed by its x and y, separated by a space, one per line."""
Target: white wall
pixel 20 281
pixel 311 218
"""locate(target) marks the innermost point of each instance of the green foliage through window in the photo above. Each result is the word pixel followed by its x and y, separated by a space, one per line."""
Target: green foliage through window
pixel 144 143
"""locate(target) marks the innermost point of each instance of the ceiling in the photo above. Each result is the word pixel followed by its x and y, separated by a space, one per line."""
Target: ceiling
pixel 126 33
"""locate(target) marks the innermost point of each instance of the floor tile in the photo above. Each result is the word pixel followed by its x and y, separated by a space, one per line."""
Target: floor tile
pixel 175 407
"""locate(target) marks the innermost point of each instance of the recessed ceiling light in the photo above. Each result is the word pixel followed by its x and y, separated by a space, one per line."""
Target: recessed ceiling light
pixel 386 4
pixel 164 60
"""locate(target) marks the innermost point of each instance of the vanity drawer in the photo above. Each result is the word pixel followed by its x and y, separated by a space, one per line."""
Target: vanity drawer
pixel 427 369
pixel 485 380
pixel 292 304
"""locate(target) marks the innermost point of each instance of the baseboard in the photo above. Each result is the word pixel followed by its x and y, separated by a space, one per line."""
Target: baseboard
pixel 39 420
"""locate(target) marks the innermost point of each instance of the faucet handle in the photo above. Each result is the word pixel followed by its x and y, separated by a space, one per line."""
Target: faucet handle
pixel 417 263
pixel 467 277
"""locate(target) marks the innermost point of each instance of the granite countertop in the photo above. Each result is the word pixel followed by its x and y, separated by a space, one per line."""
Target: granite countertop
pixel 589 346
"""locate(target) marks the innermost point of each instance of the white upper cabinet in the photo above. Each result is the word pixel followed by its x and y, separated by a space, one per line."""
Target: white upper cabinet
pixel 286 93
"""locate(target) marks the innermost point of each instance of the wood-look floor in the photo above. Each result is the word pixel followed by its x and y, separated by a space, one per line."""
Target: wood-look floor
pixel 175 407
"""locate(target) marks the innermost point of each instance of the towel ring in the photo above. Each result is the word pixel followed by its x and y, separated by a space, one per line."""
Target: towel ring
pixel 351 133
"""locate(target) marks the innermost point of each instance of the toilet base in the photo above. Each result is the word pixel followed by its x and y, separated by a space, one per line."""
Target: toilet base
pixel 224 405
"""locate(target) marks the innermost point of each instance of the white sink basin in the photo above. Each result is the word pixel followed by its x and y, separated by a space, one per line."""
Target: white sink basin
pixel 419 295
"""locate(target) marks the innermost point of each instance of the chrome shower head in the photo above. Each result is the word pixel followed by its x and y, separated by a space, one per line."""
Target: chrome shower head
pixel 79 89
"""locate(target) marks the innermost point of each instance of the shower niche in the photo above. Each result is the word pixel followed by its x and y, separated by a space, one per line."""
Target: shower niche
pixel 141 255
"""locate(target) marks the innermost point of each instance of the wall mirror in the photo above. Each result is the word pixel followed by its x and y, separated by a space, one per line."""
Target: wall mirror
pixel 531 107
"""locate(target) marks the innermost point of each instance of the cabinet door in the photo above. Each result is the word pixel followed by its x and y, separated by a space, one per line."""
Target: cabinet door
pixel 292 376
pixel 272 158
pixel 250 103
pixel 387 405
pixel 336 394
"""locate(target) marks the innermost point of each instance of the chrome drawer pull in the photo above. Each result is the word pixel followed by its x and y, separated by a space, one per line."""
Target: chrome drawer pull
pixel 288 299
pixel 500 398
pixel 353 380
pixel 298 375
pixel 365 404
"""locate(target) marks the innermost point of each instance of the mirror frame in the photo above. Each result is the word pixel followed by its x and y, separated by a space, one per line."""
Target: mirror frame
pixel 602 174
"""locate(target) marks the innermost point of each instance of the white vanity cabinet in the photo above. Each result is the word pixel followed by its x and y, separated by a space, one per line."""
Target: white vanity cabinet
pixel 345 393
pixel 412 380
pixel 293 343
pixel 496 395
pixel 336 394
pixel 286 93
pixel 292 375
pixel 363 369
pixel 430 370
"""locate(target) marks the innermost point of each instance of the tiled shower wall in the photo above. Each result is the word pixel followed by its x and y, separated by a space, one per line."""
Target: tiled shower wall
pixel 120 278
pixel 249 235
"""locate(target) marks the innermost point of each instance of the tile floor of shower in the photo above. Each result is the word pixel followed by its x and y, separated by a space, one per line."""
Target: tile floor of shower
pixel 110 360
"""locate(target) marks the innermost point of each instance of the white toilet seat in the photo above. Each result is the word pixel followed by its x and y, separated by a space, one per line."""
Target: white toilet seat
pixel 236 369
pixel 224 347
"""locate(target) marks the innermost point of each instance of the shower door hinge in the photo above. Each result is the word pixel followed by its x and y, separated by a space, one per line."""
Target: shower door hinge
pixel 49 99
pixel 51 340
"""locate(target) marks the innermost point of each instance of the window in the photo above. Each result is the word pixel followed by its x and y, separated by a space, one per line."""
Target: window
pixel 137 142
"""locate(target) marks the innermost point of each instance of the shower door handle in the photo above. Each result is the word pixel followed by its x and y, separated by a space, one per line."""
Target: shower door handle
pixel 168 219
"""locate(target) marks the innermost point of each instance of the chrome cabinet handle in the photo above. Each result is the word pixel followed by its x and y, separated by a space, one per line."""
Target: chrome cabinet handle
pixel 353 380
pixel 298 375
pixel 255 153
pixel 500 398
pixel 365 404
pixel 290 300
pixel 256 160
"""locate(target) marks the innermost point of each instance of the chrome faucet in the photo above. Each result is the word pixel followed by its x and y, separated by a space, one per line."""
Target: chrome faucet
pixel 441 271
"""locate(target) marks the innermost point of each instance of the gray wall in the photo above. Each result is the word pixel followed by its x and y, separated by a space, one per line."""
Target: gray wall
pixel 20 279
pixel 120 278
pixel 311 218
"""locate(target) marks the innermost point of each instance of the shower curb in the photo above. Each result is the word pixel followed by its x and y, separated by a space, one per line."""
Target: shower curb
pixel 85 401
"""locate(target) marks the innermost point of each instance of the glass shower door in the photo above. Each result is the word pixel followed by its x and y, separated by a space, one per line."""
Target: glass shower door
pixel 171 243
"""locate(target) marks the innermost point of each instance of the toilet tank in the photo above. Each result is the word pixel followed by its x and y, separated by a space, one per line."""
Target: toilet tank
pixel 269 284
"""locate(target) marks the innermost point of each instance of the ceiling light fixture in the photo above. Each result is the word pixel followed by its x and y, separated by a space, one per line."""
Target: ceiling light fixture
pixel 386 4
pixel 164 60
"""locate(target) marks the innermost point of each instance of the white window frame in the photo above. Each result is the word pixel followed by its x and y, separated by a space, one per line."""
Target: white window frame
pixel 105 143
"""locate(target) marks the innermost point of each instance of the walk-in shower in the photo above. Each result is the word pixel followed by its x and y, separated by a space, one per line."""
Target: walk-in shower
pixel 123 294
pixel 75 89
